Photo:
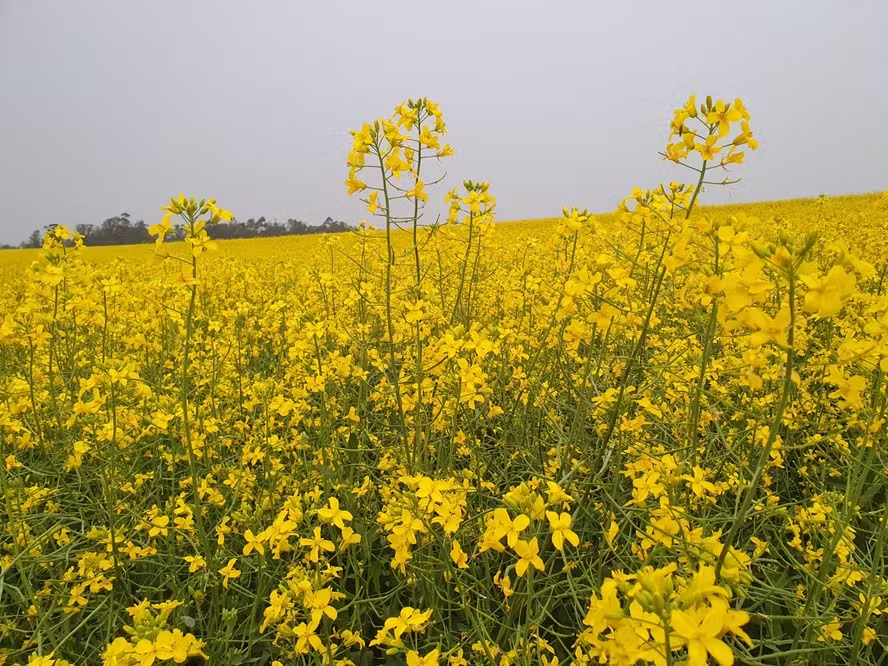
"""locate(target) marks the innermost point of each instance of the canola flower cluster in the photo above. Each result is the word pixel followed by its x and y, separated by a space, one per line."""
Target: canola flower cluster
pixel 654 436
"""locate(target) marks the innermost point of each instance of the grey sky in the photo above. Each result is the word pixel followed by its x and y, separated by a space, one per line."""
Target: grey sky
pixel 112 106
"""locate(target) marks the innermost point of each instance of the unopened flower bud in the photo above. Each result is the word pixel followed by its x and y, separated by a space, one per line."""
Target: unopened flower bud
pixel 761 251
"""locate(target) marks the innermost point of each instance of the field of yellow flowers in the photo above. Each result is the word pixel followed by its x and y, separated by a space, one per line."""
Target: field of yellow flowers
pixel 652 436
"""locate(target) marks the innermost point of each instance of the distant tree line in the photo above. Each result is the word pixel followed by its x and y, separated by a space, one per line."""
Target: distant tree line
pixel 121 230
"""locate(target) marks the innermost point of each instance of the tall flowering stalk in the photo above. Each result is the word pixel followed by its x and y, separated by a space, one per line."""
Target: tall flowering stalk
pixel 397 148
pixel 195 216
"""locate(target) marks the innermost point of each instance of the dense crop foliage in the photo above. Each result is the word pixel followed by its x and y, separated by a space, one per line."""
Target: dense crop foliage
pixel 654 436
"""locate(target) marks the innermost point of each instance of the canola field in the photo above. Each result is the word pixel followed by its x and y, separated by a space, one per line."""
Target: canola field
pixel 651 436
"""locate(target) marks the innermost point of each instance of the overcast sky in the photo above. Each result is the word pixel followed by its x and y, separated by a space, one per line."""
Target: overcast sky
pixel 111 106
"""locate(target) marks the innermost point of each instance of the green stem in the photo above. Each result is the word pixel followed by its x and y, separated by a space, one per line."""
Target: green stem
pixel 186 426
pixel 696 190
pixel 394 371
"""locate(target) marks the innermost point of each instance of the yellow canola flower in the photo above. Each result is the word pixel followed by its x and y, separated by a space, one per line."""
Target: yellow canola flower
pixel 528 553
pixel 559 524
pixel 333 514
pixel 459 557
pixel 229 572
pixel 430 659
